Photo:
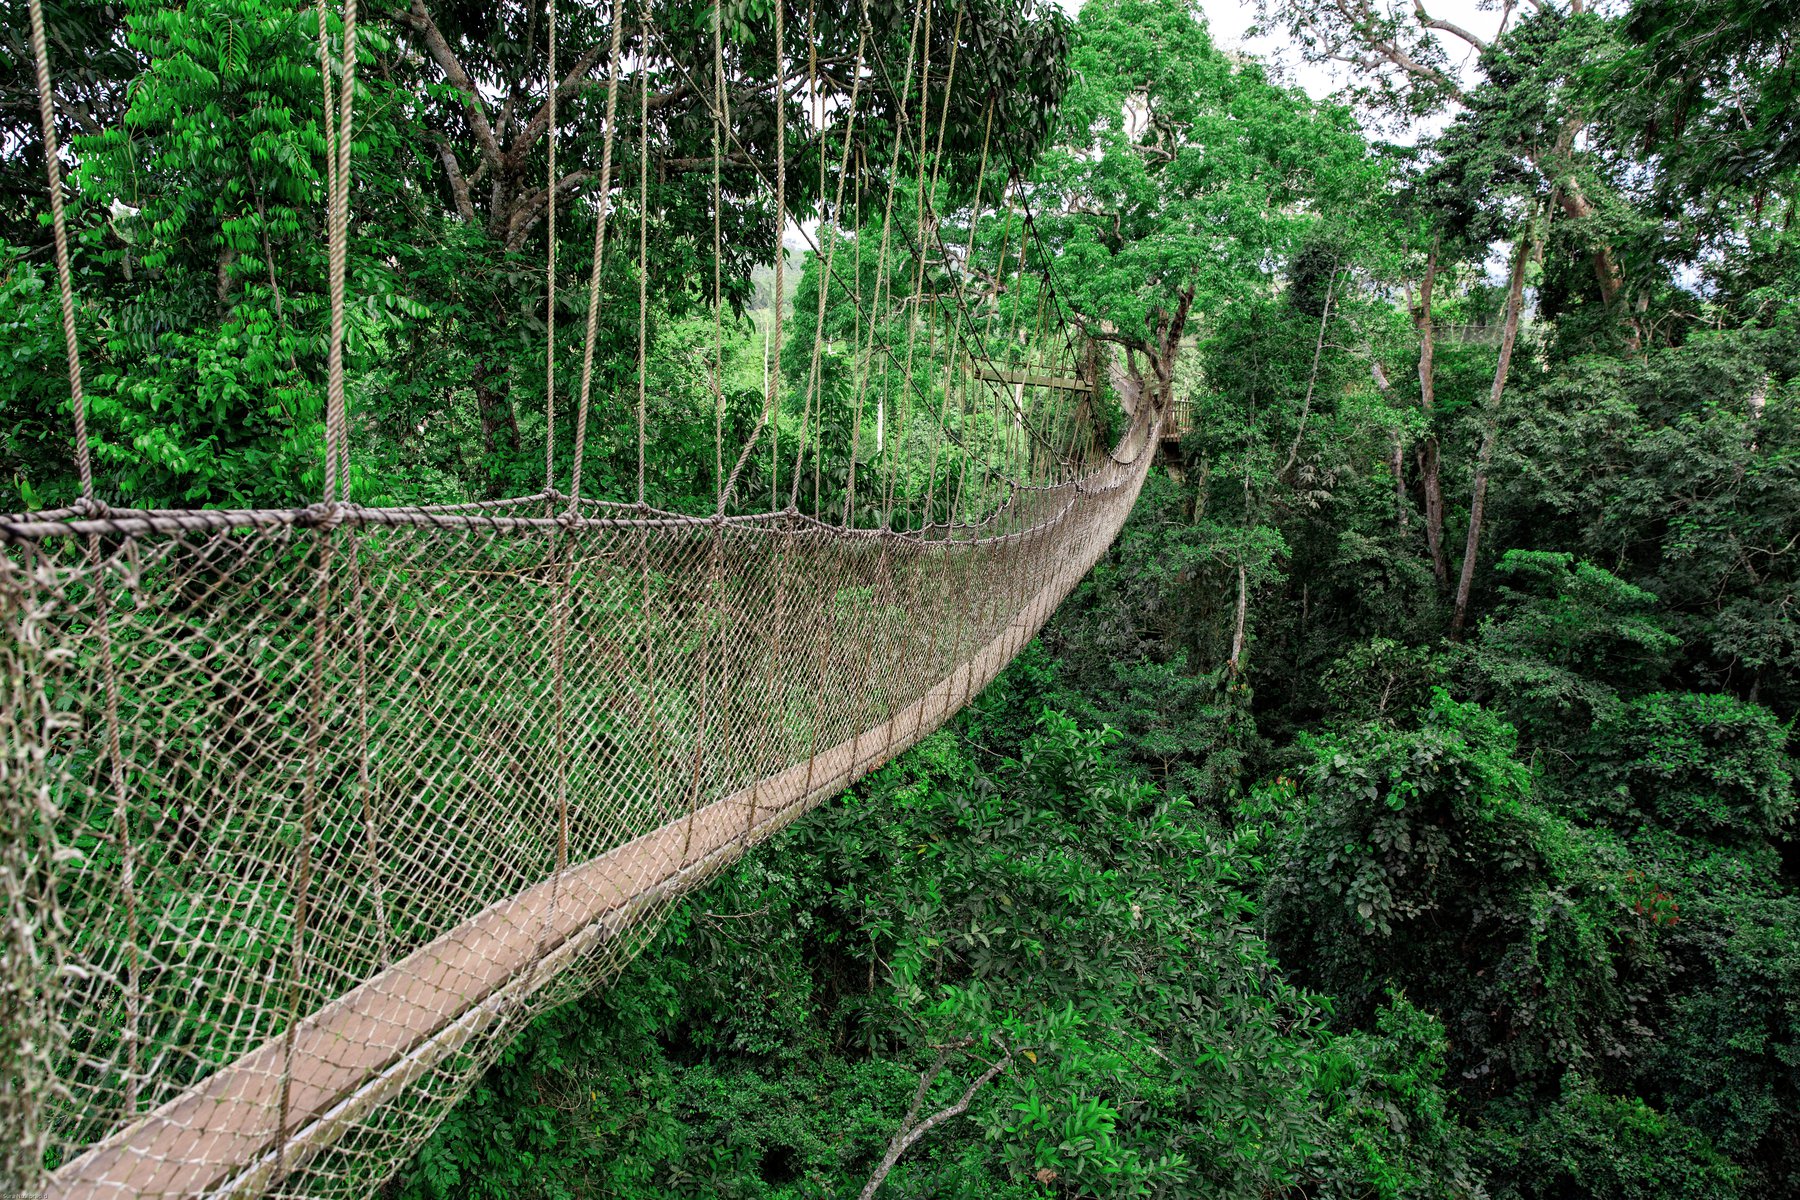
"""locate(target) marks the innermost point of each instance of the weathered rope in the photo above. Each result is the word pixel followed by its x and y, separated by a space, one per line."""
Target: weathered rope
pixel 913 46
pixel 59 226
pixel 337 451
pixel 643 264
pixel 772 385
pixel 130 1035
pixel 593 309
pixel 550 264
pixel 829 233
pixel 812 243
pixel 718 364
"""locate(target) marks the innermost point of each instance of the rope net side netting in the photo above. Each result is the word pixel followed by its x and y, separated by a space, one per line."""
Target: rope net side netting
pixel 308 810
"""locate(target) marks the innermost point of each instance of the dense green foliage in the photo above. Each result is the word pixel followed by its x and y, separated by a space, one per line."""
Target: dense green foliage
pixel 1406 807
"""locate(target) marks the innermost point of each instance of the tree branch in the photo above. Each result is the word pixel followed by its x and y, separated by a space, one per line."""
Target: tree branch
pixel 909 1133
pixel 1430 22
pixel 1363 22
pixel 541 119
pixel 529 210
pixel 418 18
pixel 459 187
pixel 1312 381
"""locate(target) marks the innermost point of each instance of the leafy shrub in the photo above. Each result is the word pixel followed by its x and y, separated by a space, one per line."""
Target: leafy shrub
pixel 1420 862
pixel 1565 638
pixel 1604 1147
pixel 1712 765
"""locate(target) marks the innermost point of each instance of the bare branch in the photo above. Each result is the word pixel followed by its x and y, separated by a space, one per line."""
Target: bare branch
pixel 418 18
pixel 1363 22
pixel 910 1132
pixel 459 187
pixel 1430 22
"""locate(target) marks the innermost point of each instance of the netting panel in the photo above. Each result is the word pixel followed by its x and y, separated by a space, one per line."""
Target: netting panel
pixel 315 815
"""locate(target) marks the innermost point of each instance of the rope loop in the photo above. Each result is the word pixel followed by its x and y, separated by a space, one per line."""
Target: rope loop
pixel 326 515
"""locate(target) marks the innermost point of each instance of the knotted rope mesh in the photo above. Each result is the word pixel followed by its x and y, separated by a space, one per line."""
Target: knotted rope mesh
pixel 308 810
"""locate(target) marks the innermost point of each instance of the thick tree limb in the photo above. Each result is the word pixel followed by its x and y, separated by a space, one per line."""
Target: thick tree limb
pixel 418 18
pixel 1312 380
pixel 912 1129
pixel 459 187
pixel 1429 476
pixel 573 81
pixel 1430 22
pixel 1363 21
pixel 528 210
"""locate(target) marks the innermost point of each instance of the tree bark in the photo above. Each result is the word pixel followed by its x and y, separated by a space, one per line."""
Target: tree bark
pixel 1235 664
pixel 1429 479
pixel 1167 348
pixel 499 428
pixel 1312 381
pixel 1397 466
pixel 912 1129
pixel 1485 458
pixel 1396 445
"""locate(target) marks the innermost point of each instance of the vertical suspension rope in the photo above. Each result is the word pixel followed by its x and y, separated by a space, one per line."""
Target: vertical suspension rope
pixel 593 309
pixel 550 270
pixel 559 553
pixel 974 226
pixel 849 516
pixel 715 535
pixel 914 46
pixel 816 118
pixel 130 1035
pixel 828 231
pixel 643 274
pixel 772 400
pixel 643 237
pixel 337 483
pixel 718 365
pixel 338 144
pixel 84 463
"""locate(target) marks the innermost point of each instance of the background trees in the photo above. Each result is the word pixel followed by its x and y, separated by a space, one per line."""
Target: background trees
pixel 199 210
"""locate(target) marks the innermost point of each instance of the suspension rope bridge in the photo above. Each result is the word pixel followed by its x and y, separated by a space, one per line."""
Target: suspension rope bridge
pixel 308 810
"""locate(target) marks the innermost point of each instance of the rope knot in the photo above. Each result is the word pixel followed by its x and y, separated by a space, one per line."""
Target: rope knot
pixel 91 507
pixel 326 515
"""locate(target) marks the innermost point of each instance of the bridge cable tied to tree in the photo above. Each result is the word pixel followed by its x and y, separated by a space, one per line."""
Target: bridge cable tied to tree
pixel 309 809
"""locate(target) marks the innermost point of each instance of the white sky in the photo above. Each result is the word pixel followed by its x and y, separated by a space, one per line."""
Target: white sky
pixel 1231 19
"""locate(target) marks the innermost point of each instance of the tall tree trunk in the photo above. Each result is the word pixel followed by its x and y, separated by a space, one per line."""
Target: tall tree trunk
pixel 1429 478
pixel 1236 663
pixel 1167 348
pixel 499 428
pixel 1484 460
pixel 1576 206
pixel 1312 382
pixel 1241 624
pixel 1396 447
pixel 1397 465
